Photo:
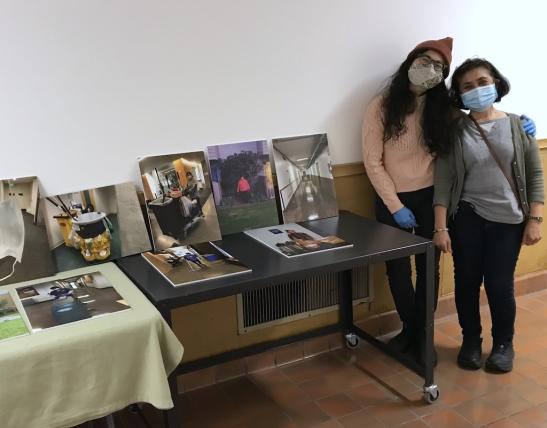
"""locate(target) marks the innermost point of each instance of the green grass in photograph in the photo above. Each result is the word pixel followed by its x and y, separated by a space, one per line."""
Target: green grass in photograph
pixel 236 219
pixel 12 328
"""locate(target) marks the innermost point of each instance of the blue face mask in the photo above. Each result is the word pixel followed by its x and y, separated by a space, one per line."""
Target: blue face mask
pixel 481 98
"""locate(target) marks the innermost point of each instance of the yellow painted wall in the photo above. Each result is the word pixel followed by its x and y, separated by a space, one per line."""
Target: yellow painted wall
pixel 211 327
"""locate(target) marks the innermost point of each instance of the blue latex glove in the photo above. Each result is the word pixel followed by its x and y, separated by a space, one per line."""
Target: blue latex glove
pixel 529 125
pixel 405 218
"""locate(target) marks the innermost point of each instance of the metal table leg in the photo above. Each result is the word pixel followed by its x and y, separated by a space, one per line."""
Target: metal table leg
pixel 431 391
pixel 345 304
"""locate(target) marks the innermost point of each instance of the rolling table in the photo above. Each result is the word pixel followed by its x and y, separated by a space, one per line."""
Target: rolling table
pixel 372 243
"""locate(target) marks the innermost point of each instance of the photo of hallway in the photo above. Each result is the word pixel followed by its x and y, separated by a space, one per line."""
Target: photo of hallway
pixel 179 199
pixel 24 248
pixel 304 178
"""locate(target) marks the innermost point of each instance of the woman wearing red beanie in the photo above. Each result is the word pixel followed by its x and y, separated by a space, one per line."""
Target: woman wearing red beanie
pixel 404 128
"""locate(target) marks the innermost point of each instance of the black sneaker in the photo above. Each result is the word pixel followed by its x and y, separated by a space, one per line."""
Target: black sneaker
pixel 402 341
pixel 470 355
pixel 501 358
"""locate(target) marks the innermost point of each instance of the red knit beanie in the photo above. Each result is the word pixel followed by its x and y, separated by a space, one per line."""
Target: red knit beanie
pixel 442 46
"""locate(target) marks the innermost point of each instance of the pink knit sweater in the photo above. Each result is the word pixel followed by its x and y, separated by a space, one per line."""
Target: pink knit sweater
pixel 401 165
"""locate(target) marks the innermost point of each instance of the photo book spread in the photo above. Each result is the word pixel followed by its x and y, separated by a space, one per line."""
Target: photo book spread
pixel 95 225
pixel 67 300
pixel 11 321
pixel 188 264
pixel 293 240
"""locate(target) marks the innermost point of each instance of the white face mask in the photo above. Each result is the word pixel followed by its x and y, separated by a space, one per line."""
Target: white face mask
pixel 424 76
pixel 12 233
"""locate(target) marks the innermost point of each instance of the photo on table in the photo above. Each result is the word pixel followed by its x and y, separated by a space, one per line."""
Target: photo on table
pixel 243 185
pixel 292 240
pixel 193 263
pixel 179 199
pixel 11 321
pixel 304 178
pixel 96 225
pixel 63 301
pixel 24 247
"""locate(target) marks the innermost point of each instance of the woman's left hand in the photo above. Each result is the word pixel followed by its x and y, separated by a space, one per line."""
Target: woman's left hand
pixel 532 233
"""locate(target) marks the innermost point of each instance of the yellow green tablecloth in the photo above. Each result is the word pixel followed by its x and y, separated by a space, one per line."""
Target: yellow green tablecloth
pixel 75 372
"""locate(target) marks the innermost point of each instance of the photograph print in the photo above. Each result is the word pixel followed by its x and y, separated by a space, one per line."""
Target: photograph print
pixel 67 300
pixel 243 186
pixel 24 247
pixel 179 199
pixel 196 262
pixel 96 225
pixel 304 178
pixel 11 322
pixel 292 240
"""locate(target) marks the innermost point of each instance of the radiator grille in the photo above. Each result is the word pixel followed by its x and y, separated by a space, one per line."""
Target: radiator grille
pixel 298 299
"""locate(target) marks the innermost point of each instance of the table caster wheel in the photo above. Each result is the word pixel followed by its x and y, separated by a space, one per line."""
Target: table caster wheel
pixel 431 394
pixel 352 340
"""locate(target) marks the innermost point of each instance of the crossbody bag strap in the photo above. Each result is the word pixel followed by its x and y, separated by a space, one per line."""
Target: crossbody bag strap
pixel 496 158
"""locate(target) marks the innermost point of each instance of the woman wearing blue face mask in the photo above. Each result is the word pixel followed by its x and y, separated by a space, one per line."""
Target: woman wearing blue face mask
pixel 404 129
pixel 489 188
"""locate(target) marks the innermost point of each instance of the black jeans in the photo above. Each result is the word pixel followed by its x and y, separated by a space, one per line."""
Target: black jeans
pixel 485 251
pixel 410 303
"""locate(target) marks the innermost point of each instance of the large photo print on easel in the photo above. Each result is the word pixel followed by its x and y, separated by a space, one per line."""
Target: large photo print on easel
pixel 24 248
pixel 95 225
pixel 304 178
pixel 243 186
pixel 179 199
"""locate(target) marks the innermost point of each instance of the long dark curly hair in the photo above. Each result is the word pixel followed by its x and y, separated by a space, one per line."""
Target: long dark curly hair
pixel 399 101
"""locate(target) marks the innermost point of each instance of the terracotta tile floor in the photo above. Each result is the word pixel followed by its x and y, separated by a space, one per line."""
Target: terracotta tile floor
pixel 366 389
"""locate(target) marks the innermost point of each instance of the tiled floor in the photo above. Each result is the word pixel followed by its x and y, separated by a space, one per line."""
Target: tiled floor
pixel 364 388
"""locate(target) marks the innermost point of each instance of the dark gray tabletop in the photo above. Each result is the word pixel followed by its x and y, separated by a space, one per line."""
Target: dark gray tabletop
pixel 372 242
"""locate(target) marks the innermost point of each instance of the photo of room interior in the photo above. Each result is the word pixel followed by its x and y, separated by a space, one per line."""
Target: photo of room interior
pixel 67 300
pixel 304 177
pixel 96 225
pixel 243 186
pixel 24 249
pixel 179 199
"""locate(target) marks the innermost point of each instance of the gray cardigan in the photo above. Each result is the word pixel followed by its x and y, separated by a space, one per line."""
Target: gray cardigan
pixel 526 168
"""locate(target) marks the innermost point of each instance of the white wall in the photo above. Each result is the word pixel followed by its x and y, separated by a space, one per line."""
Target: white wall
pixel 321 165
pixel 106 200
pixel 34 195
pixel 87 86
pixel 54 235
pixel 22 193
pixel 286 174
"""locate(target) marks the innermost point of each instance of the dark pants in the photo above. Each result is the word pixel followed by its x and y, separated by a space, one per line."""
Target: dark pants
pixel 485 251
pixel 410 303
